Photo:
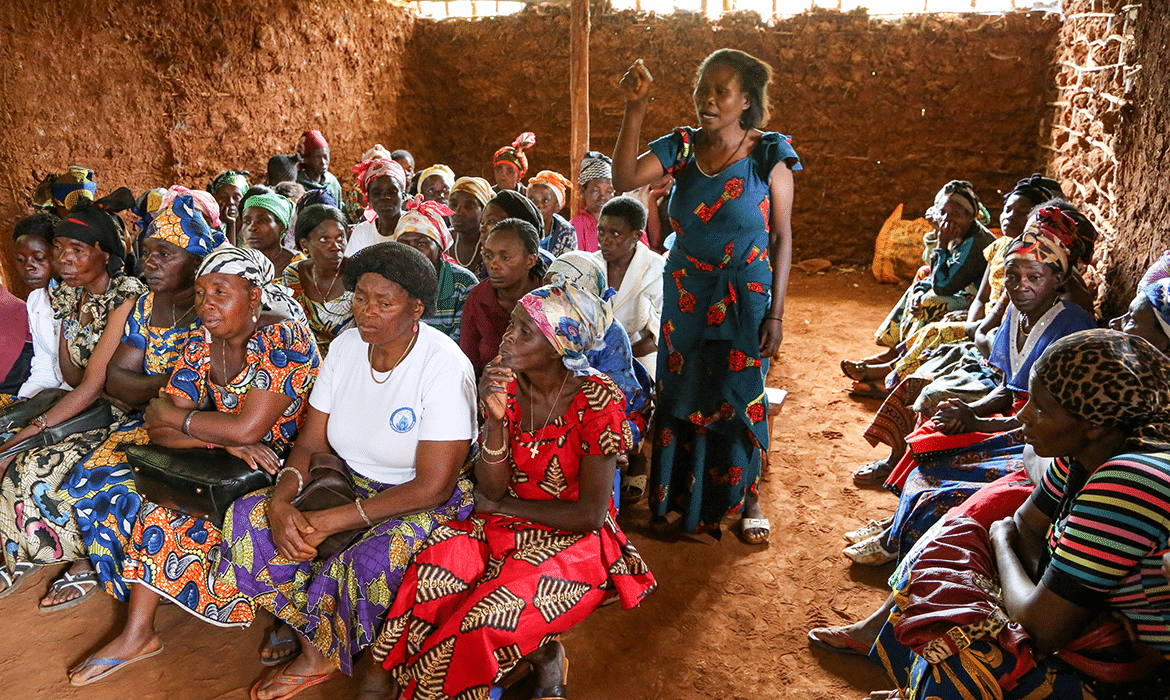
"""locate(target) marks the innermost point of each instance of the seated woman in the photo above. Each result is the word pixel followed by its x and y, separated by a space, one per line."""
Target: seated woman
pixel 543 550
pixel 510 163
pixel 966 445
pixel 514 266
pixel 33 255
pixel 315 282
pixel 407 478
pixel 265 219
pixel 228 189
pixel 1086 541
pixel 547 191
pixel 383 185
pixel 241 383
pixel 435 183
pixel 468 198
pixel 16 347
pixel 956 266
pixel 91 306
pixel 961 371
pixel 422 228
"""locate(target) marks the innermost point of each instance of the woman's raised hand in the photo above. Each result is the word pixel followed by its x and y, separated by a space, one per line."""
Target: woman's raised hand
pixel 493 389
pixel 636 82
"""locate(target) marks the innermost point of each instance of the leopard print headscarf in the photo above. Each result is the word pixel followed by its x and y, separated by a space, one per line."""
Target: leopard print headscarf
pixel 1112 379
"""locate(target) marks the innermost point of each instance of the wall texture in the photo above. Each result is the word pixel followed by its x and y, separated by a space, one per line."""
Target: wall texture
pixel 880 112
pixel 148 94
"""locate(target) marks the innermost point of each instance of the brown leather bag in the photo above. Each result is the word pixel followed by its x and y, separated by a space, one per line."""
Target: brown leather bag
pixel 329 487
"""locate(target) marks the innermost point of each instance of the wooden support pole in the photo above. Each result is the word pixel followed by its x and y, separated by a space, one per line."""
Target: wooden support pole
pixel 578 92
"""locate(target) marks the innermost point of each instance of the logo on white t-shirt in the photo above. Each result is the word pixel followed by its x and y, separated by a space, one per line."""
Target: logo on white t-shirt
pixel 402 420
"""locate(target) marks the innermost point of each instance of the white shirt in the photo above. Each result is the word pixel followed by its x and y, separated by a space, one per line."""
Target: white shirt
pixel 45 371
pixel 375 427
pixel 363 235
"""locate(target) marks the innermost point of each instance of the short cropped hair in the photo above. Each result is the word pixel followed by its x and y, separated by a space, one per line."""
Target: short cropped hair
pixel 629 210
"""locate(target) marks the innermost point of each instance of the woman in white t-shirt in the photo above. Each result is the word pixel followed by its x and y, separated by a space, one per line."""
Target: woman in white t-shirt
pixel 395 399
pixel 383 184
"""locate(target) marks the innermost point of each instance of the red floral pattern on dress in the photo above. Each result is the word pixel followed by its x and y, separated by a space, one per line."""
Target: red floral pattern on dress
pixel 755 411
pixel 732 189
pixel 756 287
pixel 739 360
pixel 674 361
pixel 736 473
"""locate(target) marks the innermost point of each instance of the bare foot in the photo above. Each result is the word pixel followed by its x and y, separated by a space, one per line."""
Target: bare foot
pixel 80 580
pixel 125 646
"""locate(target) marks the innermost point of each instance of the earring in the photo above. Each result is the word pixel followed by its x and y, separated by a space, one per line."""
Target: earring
pixel 415 329
pixel 255 316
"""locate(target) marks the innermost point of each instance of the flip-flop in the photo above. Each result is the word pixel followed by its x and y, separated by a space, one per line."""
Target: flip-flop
pixel 633 489
pixel 74 581
pixel 850 646
pixel 114 664
pixel 298 683
pixel 274 639
pixel 746 524
pixel 858 369
pixel 873 474
pixel 12 581
pixel 868 390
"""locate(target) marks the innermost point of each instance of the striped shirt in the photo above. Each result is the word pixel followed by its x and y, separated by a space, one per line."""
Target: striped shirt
pixel 1108 537
pixel 455 284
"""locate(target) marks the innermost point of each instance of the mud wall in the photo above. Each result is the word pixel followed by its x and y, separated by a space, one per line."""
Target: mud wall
pixel 880 112
pixel 149 94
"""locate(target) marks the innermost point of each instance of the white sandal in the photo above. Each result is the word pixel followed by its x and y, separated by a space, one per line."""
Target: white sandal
pixel 12 580
pixel 746 524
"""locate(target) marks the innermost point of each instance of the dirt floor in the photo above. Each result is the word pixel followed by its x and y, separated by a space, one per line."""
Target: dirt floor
pixel 728 620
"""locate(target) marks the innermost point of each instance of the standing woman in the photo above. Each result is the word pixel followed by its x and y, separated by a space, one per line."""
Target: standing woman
pixel 95 296
pixel 724 287
pixel 317 283
pixel 266 217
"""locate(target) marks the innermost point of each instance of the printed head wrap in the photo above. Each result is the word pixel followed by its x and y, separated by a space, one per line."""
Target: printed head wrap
pixel 962 193
pixel 1112 379
pixel 1046 239
pixel 371 168
pixel 517 206
pixel 425 217
pixel 378 151
pixel 236 178
pixel 66 189
pixel 321 196
pixel 580 268
pixel 1158 294
pixel 595 165
pixel 92 225
pixel 182 224
pixel 147 205
pixel 310 141
pixel 257 269
pixel 514 155
pixel 204 202
pixel 439 169
pixel 278 204
pixel 1037 189
pixel 572 319
pixel 1160 270
pixel 477 187
pixel 556 182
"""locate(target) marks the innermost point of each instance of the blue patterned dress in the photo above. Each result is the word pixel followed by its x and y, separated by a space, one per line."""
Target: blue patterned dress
pixel 712 415
pixel 101 488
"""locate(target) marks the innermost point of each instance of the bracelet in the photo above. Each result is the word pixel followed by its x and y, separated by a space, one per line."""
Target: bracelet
pixel 294 470
pixel 209 445
pixel 362 512
pixel 187 421
pixel 775 318
pixel 499 461
pixel 503 449
pixel 40 422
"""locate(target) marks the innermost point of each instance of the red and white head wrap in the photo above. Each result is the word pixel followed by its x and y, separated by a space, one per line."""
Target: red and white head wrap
pixel 204 202
pixel 514 155
pixel 310 141
pixel 379 167
pixel 425 217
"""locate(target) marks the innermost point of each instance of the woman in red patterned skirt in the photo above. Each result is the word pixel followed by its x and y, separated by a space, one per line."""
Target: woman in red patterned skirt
pixel 543 550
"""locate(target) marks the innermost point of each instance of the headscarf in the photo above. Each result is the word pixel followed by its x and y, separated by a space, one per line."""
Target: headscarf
pixel 66 189
pixel 556 182
pixel 371 168
pixel 1112 379
pixel 1159 295
pixel 593 166
pixel 378 151
pixel 514 155
pixel 147 205
pixel 257 269
pixel 962 193
pixel 477 187
pixel 1160 270
pixel 237 178
pixel 204 202
pixel 425 217
pixel 278 204
pixel 92 225
pixel 572 319
pixel 439 169
pixel 517 206
pixel 1046 239
pixel 321 196
pixel 1037 189
pixel 310 141
pixel 183 225
pixel 579 268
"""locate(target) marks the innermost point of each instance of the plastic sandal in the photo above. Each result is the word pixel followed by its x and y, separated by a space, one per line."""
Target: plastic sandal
pixel 85 583
pixel 633 489
pixel 114 665
pixel 746 524
pixel 275 639
pixel 835 640
pixel 12 580
pixel 298 683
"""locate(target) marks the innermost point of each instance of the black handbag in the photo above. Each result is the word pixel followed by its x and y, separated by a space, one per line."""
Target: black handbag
pixel 199 482
pixel 99 415
pixel 22 412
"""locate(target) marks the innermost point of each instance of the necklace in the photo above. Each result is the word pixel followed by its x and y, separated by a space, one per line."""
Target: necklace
pixel 1026 329
pixel 535 446
pixel 370 356
pixel 325 294
pixel 455 254
pixel 175 321
pixel 727 161
pixel 223 361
